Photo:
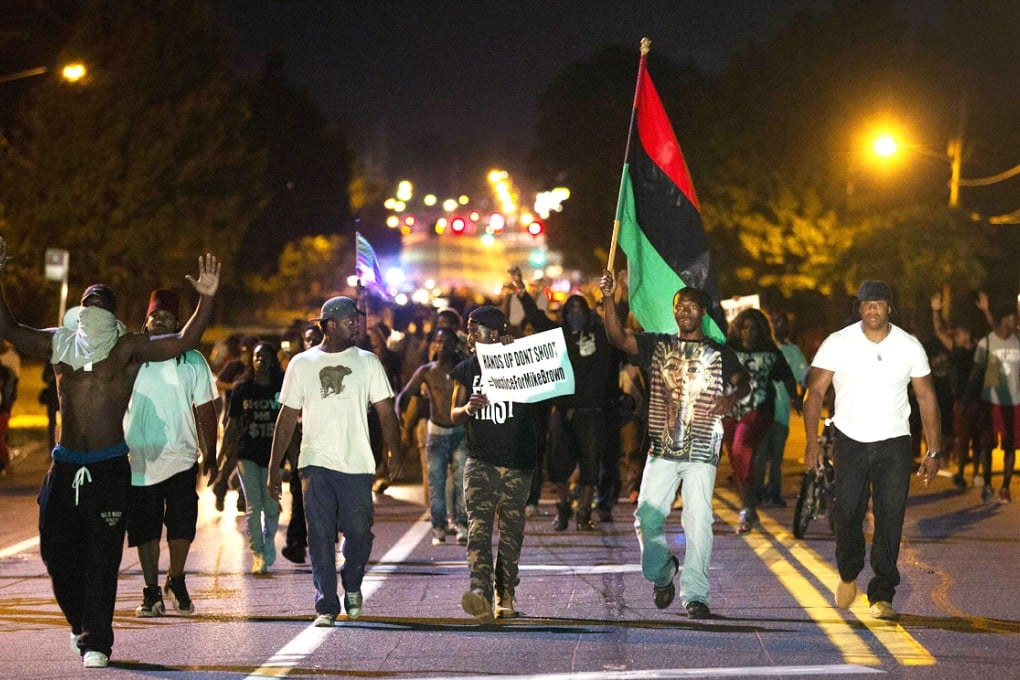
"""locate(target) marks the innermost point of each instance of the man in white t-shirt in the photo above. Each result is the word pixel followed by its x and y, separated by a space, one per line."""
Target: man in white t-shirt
pixel 171 416
pixel 997 370
pixel 331 387
pixel 870 364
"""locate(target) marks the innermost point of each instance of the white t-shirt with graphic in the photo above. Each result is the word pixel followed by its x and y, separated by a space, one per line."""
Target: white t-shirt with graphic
pixel 333 391
pixel 1001 358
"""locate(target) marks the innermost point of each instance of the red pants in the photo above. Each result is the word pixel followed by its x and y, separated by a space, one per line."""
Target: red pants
pixel 742 437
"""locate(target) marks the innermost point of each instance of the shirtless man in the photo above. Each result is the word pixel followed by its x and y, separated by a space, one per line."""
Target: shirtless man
pixel 444 446
pixel 84 494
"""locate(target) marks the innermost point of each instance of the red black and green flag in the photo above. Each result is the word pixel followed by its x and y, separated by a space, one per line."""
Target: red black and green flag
pixel 660 220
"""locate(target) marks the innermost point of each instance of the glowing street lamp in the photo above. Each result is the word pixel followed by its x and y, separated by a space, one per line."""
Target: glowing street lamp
pixel 72 73
pixel 884 146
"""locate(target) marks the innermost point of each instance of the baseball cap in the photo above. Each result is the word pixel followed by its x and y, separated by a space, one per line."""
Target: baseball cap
pixel 488 316
pixel 338 308
pixel 107 298
pixel 874 290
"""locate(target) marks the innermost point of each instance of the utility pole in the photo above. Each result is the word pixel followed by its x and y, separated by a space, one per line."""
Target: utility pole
pixel 955 153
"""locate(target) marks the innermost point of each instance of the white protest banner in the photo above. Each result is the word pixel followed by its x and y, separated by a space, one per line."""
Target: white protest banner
pixel 533 368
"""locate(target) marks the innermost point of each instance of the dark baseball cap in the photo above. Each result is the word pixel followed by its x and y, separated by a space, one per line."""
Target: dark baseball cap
pixel 338 308
pixel 874 290
pixel 488 316
pixel 107 298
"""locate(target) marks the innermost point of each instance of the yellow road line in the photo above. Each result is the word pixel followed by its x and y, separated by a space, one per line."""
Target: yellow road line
pixel 853 648
pixel 900 643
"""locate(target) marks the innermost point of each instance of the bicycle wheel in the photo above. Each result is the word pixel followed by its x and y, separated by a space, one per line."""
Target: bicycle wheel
pixel 807 503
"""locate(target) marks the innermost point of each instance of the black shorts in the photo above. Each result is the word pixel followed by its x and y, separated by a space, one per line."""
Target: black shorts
pixel 173 502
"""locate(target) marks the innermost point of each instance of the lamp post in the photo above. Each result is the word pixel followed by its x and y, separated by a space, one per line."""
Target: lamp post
pixel 72 73
pixel 886 146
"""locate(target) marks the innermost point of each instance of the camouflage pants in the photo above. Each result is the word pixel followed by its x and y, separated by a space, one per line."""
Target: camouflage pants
pixel 489 491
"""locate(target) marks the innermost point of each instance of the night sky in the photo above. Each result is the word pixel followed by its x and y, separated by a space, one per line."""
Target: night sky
pixel 471 72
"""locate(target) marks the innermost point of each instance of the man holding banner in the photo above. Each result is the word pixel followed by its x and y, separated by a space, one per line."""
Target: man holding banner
pixel 500 459
pixel 694 380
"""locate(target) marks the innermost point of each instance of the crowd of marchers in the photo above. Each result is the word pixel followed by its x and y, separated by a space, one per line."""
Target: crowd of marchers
pixel 334 406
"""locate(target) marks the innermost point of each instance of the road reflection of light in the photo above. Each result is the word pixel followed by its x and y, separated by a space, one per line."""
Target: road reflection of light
pixel 408 493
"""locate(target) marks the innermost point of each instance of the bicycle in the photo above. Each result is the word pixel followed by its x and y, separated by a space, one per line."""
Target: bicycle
pixel 818 487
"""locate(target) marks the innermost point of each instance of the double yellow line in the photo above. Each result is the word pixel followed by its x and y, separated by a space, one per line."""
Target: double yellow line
pixel 789 560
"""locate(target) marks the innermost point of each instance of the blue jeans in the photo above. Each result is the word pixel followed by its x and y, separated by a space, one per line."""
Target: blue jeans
pixel 879 471
pixel 261 511
pixel 335 502
pixel 655 500
pixel 446 453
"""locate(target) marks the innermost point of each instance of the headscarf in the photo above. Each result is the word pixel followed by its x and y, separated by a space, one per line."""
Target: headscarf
pixel 90 341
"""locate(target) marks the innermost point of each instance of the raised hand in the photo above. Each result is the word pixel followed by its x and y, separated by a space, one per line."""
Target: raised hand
pixel 208 275
pixel 517 278
pixel 607 284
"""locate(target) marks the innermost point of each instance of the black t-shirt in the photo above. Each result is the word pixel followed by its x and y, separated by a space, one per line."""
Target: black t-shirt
pixel 255 407
pixel 502 433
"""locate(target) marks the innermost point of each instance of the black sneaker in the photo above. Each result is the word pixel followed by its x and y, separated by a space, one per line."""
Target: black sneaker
pixel 663 595
pixel 176 591
pixel 697 610
pixel 152 603
pixel 294 553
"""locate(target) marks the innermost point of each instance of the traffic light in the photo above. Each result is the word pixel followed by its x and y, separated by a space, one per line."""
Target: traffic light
pixel 457 224
pixel 536 228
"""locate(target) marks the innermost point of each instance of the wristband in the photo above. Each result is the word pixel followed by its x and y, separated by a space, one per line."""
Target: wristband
pixel 934 454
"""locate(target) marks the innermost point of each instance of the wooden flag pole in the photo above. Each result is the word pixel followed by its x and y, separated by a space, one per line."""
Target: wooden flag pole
pixel 646 46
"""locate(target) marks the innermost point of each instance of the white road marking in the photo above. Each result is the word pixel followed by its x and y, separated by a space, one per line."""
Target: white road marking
pixel 27 544
pixel 308 640
pixel 663 673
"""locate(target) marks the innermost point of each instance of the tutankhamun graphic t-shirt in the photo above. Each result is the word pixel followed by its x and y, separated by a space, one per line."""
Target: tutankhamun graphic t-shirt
pixel 686 379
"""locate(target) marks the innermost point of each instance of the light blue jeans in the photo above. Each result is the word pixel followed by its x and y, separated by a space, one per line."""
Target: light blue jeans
pixel 658 490
pixel 446 453
pixel 261 512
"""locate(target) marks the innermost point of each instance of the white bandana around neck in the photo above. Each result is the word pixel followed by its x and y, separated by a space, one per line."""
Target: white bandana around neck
pixel 90 341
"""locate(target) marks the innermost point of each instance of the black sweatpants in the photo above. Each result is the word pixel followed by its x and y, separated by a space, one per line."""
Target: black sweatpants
pixel 82 511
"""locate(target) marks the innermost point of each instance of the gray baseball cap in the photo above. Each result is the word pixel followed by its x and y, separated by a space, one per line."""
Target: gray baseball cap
pixel 338 308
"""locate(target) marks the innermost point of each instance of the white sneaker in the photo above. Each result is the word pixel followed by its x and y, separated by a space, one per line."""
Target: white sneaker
pixel 462 535
pixel 74 643
pixel 96 660
pixel 324 621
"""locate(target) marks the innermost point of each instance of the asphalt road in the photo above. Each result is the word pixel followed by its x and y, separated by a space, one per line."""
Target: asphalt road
pixel 589 613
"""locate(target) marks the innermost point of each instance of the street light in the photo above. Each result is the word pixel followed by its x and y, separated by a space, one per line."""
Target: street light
pixel 886 146
pixel 72 73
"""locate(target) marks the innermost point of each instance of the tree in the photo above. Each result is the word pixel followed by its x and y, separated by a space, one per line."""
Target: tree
pixel 310 270
pixel 307 173
pixel 142 167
